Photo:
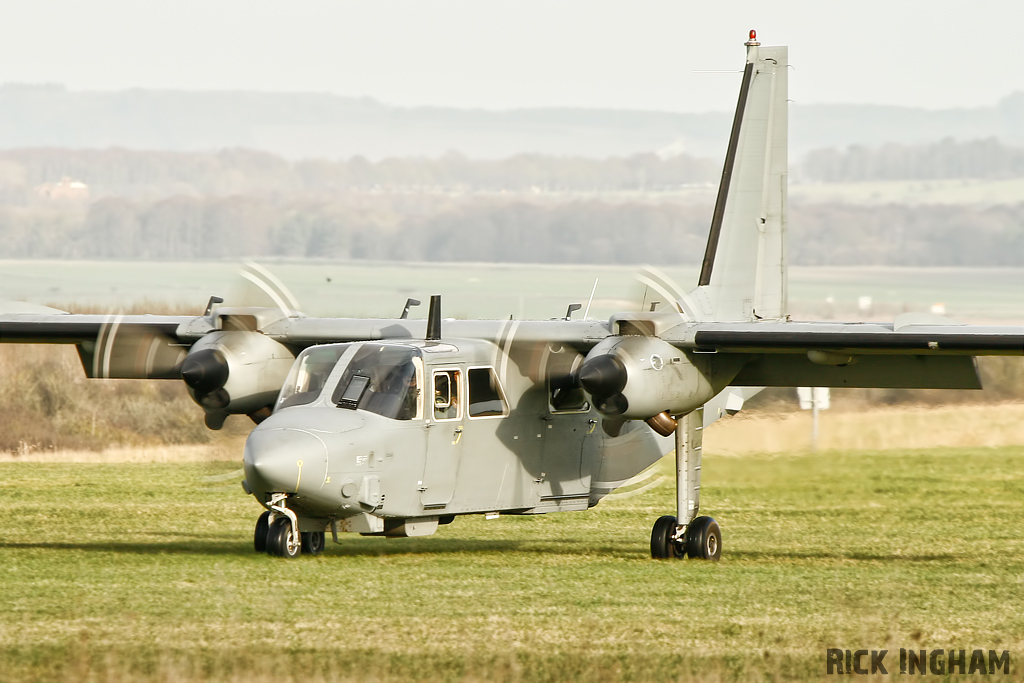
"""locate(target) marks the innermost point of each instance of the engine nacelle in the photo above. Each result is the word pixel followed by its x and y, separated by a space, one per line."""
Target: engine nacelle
pixel 638 377
pixel 236 373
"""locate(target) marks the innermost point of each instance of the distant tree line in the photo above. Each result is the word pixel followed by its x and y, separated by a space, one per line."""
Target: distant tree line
pixel 497 229
pixel 139 174
pixel 151 175
pixel 529 208
pixel 988 159
pixel 904 235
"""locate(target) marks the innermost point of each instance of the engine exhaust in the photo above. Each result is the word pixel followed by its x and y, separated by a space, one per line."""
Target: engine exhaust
pixel 663 423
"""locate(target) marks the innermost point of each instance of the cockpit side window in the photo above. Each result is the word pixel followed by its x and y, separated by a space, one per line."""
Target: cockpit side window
pixel 447 402
pixel 309 374
pixel 485 396
pixel 382 379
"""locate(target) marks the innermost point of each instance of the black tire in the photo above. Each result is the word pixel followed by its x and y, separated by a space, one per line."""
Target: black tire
pixel 259 537
pixel 281 542
pixel 313 542
pixel 704 539
pixel 662 545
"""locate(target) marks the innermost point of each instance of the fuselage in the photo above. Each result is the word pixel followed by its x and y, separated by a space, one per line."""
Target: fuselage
pixel 399 432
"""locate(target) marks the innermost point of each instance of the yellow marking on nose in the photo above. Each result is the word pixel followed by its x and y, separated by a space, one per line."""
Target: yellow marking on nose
pixel 298 463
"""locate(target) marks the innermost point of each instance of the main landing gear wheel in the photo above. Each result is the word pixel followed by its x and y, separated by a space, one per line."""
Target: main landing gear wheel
pixel 704 539
pixel 663 545
pixel 313 542
pixel 259 537
pixel 281 540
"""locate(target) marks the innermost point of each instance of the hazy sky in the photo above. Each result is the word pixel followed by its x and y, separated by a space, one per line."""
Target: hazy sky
pixel 635 54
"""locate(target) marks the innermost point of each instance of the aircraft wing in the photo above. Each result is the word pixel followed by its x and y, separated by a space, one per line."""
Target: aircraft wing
pixel 124 346
pixel 307 331
pixel 900 354
pixel 859 338
pixel 68 328
pixel 917 353
pixel 912 352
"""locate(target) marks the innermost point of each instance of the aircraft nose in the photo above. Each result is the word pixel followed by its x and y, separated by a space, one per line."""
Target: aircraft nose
pixel 285 461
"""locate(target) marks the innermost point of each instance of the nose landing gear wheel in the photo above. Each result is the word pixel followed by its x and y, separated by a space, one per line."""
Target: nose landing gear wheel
pixel 663 545
pixel 704 539
pixel 259 537
pixel 313 542
pixel 281 540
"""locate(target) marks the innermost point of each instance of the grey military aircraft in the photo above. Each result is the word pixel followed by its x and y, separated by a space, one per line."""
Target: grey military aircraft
pixel 395 426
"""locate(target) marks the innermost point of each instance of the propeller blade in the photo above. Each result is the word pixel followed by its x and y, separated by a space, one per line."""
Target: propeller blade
pixel 272 286
pixel 672 294
pixel 130 350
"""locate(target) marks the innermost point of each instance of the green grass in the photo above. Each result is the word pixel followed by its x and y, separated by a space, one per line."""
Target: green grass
pixel 146 572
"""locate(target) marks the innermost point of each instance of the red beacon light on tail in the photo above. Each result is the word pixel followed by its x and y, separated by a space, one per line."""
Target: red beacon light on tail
pixel 753 38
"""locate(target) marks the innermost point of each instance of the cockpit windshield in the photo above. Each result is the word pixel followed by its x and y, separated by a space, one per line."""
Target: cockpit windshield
pixel 309 374
pixel 382 379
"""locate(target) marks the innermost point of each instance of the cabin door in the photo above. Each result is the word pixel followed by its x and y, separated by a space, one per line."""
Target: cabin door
pixel 444 425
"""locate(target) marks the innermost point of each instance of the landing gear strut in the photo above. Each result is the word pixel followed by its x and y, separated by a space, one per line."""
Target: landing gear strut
pixel 686 533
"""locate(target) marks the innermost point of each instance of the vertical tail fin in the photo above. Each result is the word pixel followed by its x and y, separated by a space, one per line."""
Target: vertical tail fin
pixel 743 275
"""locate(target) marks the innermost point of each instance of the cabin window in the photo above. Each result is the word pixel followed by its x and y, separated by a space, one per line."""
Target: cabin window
pixel 447 405
pixel 566 396
pixel 309 374
pixel 382 379
pixel 485 395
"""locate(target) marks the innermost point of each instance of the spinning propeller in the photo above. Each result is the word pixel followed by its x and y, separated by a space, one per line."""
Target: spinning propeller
pixel 634 375
pixel 232 368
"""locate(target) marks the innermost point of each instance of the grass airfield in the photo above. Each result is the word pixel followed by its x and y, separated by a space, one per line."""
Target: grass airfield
pixel 117 572
pixel 126 571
